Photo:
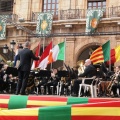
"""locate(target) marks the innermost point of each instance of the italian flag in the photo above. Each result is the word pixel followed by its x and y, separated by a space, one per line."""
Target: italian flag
pixel 101 54
pixel 57 53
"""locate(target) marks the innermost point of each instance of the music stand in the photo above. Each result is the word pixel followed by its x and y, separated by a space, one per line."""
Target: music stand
pixel 12 70
pixel 1 65
pixel 44 73
pixel 63 73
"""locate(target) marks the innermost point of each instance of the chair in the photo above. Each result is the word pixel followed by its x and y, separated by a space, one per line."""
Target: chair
pixel 52 89
pixel 42 89
pixel 58 86
pixel 91 83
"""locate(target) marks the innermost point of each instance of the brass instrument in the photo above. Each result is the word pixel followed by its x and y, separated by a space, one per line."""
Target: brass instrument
pixel 114 79
pixel 81 67
pixel 63 79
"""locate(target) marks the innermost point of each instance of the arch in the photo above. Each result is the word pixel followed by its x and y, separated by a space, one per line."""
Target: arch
pixel 80 48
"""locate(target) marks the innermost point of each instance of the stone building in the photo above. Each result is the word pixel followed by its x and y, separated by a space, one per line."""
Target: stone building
pixel 69 22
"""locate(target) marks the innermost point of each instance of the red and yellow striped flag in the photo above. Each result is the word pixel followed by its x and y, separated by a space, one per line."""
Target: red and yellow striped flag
pixel 101 54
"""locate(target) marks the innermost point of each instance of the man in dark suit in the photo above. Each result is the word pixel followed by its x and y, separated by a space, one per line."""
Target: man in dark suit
pixel 89 72
pixel 24 67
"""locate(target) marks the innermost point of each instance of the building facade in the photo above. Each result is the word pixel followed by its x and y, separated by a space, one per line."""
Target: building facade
pixel 69 23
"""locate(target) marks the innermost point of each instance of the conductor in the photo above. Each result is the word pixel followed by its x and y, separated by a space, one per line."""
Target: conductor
pixel 24 67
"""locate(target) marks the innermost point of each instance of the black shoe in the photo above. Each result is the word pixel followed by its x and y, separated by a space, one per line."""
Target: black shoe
pixel 24 94
pixel 74 95
pixel 81 95
pixel 116 95
pixel 16 93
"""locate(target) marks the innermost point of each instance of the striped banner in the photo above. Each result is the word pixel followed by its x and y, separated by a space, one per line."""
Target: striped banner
pixel 4 101
pixel 19 101
pixel 91 111
pixel 96 111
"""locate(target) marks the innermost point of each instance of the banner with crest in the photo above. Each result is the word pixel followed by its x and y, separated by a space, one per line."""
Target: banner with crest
pixel 93 19
pixel 3 26
pixel 44 23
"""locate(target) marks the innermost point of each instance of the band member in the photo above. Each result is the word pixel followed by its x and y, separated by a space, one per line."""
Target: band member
pixel 116 82
pixel 16 56
pixel 64 86
pixel 1 79
pixel 54 79
pixel 89 72
pixel 25 57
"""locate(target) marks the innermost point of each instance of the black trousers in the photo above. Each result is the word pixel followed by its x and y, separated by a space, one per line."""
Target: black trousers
pixel 52 83
pixel 22 81
pixel 76 87
pixel 114 88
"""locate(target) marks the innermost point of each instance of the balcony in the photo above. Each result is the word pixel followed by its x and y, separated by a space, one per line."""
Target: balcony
pixel 81 13
pixel 11 17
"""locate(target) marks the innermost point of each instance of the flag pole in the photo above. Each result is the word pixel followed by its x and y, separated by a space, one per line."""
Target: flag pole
pixel 39 48
pixel 52 47
pixel 65 51
pixel 110 61
pixel 43 43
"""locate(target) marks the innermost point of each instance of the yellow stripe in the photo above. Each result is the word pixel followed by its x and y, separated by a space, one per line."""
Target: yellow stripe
pixel 105 111
pixel 100 48
pixel 4 101
pixel 20 112
pixel 94 55
pixel 117 52
pixel 96 58
pixel 45 103
pixel 3 108
pixel 100 61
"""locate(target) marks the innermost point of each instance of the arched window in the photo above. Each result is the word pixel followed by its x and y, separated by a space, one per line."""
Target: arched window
pixel 51 5
pixel 92 4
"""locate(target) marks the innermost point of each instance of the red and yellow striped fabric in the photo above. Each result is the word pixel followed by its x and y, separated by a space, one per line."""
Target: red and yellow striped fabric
pixel 97 111
pixel 101 54
pixel 4 101
pixel 114 55
pixel 97 56
pixel 16 102
pixel 91 111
